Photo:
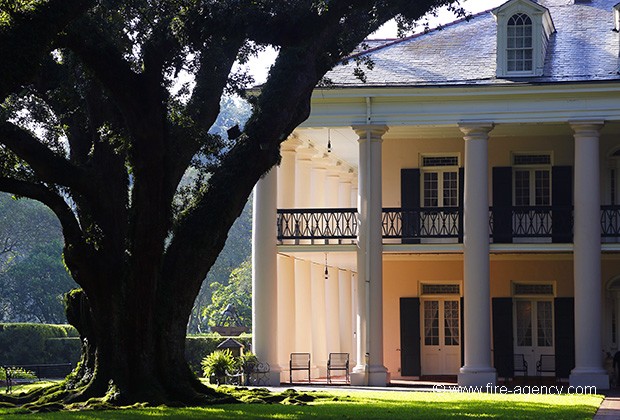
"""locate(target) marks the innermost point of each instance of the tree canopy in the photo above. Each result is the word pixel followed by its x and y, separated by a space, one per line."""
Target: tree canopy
pixel 99 125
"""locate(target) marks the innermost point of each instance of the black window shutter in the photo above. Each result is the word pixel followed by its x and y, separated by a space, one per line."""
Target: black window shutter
pixel 503 350
pixel 502 204
pixel 461 199
pixel 562 200
pixel 410 362
pixel 564 313
pixel 410 203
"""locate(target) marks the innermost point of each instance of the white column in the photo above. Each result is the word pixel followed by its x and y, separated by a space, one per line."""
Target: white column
pixel 264 274
pixel 317 182
pixel 587 259
pixel 319 333
pixel 286 312
pixel 354 320
pixel 370 369
pixel 286 265
pixel 287 174
pixel 303 309
pixel 477 370
pixel 303 166
pixel 344 295
pixel 332 310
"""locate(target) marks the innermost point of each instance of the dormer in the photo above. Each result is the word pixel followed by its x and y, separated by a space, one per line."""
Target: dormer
pixel 523 31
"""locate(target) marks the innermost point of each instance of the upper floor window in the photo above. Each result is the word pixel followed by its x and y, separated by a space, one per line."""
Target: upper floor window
pixel 531 179
pixel 524 28
pixel 519 52
pixel 440 186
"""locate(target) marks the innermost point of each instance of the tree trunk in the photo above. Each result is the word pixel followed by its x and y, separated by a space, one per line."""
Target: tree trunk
pixel 133 350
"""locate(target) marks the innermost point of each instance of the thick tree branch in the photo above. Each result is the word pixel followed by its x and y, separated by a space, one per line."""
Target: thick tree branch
pixel 48 166
pixel 70 226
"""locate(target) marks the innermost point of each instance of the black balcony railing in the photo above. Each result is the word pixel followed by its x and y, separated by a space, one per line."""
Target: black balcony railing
pixel 317 224
pixel 553 223
pixel 610 221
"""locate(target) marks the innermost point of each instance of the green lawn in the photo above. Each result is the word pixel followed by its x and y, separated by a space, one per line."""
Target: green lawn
pixel 349 404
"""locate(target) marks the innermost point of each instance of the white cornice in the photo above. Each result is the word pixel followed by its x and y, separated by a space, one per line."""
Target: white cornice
pixel 557 103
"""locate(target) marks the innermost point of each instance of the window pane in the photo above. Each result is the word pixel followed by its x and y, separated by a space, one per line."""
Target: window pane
pixel 524 323
pixel 450 189
pixel 431 323
pixel 545 324
pixel 522 188
pixel 451 322
pixel 430 189
pixel 543 188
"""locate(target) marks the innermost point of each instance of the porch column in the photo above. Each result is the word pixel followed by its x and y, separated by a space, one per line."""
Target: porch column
pixel 344 294
pixel 303 313
pixel 587 259
pixel 477 370
pixel 286 265
pixel 264 274
pixel 370 369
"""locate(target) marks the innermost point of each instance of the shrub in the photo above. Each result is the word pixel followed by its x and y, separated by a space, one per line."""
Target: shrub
pixel 197 346
pixel 18 373
pixel 218 363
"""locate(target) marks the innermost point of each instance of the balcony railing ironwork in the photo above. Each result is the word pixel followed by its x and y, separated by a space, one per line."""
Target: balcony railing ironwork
pixel 411 225
pixel 317 224
pixel 610 221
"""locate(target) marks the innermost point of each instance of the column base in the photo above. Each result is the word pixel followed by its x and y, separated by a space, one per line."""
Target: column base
pixel 274 378
pixel 593 377
pixel 479 377
pixel 364 375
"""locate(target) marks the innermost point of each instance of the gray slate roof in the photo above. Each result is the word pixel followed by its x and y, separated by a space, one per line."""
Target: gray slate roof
pixel 584 48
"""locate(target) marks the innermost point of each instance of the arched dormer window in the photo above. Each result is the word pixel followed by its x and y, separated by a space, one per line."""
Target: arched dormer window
pixel 523 31
pixel 519 51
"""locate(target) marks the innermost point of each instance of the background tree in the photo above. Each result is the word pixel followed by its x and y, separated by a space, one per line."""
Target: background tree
pixel 103 139
pixel 33 287
pixel 237 291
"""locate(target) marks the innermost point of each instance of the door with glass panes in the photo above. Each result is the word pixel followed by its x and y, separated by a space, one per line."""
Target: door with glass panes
pixel 532 195
pixel 533 330
pixel 441 336
pixel 440 192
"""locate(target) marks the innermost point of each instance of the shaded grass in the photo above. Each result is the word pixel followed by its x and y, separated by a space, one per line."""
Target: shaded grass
pixel 349 404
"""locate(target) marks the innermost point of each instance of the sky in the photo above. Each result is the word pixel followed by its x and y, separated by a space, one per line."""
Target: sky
pixel 259 66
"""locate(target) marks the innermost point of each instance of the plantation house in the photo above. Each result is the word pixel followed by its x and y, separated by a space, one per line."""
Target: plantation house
pixel 458 211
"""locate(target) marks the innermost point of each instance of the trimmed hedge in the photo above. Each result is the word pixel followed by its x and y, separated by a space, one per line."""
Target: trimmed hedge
pixel 33 344
pixel 29 343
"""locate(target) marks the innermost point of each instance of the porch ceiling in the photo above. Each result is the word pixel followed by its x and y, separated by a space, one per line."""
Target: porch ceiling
pixel 345 147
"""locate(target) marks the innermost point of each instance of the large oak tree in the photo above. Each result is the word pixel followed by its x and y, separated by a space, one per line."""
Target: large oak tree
pixel 97 128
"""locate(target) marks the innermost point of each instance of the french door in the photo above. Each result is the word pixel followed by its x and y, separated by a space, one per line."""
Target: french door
pixel 441 336
pixel 533 330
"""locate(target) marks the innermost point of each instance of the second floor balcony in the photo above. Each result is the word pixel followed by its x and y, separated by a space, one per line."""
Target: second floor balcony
pixel 523 224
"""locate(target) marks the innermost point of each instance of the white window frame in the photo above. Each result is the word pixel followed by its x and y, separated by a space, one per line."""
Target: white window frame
pixel 532 179
pixel 440 171
pixel 542 28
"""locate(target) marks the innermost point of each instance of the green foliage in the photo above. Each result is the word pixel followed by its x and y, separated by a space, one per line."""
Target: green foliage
pixel 197 346
pixel 238 292
pixel 32 274
pixel 23 344
pixel 18 373
pixel 238 249
pixel 218 363
pixel 35 285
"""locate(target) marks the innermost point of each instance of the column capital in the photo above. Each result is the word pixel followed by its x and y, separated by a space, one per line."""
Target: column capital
pixel 587 128
pixel 376 131
pixel 291 144
pixel 476 130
